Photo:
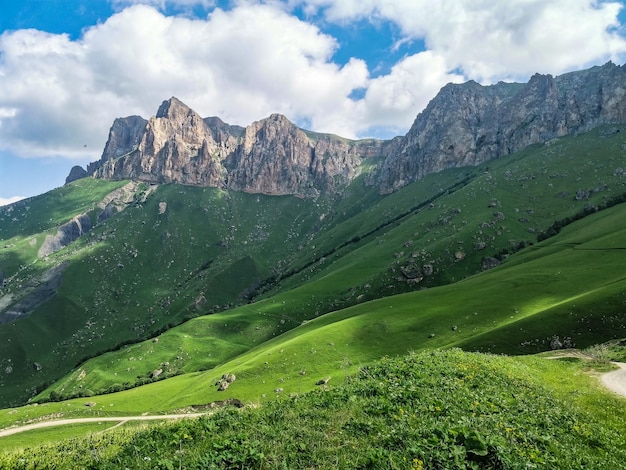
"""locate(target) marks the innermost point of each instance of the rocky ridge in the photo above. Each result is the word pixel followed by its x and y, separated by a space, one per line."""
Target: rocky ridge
pixel 464 125
pixel 468 124
pixel 271 156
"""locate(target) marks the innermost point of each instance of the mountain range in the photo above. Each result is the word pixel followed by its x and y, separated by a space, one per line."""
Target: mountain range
pixel 495 224
pixel 464 125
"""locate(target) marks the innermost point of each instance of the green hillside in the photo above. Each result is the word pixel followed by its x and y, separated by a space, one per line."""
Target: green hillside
pixel 517 256
pixel 393 240
pixel 432 410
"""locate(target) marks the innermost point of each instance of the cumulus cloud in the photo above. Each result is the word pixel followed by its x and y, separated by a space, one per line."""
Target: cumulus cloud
pixel 59 96
pixel 391 101
pixel 490 40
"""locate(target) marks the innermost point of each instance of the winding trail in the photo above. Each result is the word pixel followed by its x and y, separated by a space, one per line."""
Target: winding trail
pixel 616 380
pixel 116 419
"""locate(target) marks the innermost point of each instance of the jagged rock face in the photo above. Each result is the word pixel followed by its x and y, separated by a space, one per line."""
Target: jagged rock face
pixel 124 137
pixel 464 125
pixel 271 156
pixel 469 124
pixel 277 158
pixel 175 146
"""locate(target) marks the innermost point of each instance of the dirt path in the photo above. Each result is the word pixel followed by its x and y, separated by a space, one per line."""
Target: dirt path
pixel 120 420
pixel 616 380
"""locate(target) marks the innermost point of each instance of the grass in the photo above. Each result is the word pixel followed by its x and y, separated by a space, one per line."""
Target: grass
pixel 446 409
pixel 532 298
pixel 327 281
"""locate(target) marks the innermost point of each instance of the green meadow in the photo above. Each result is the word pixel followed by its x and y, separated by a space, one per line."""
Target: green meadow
pixel 514 257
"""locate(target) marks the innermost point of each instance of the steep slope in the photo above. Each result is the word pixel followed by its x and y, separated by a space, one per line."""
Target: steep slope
pixel 439 230
pixel 469 124
pixel 271 156
pixel 537 298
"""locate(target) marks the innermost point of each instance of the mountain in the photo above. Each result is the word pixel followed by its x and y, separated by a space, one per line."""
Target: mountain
pixel 271 156
pixel 464 125
pixel 468 124
pixel 195 243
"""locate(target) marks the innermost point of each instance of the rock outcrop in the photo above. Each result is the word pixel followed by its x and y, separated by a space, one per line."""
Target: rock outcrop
pixel 464 125
pixel 271 156
pixel 76 173
pixel 174 146
pixel 65 235
pixel 276 157
pixel 34 294
pixel 124 137
pixel 468 124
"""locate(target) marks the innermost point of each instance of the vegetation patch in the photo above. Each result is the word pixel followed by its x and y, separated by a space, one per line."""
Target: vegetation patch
pixel 443 409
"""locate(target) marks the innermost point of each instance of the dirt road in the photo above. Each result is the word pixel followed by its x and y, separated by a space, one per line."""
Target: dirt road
pixel 119 420
pixel 616 380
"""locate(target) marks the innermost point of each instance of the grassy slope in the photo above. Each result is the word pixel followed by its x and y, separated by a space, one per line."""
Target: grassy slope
pixel 428 233
pixel 336 344
pixel 576 304
pixel 142 270
pixel 431 410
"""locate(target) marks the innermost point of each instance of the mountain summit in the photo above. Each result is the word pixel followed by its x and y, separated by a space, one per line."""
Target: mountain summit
pixel 271 156
pixel 464 125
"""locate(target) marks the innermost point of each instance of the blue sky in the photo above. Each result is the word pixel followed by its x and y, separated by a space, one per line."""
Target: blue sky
pixel 356 68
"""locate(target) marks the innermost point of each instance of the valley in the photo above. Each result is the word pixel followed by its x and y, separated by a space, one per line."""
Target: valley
pixel 426 301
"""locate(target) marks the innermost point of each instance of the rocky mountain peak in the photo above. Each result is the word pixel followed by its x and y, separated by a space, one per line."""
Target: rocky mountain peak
pixel 172 108
pixel 468 124
pixel 464 125
pixel 270 156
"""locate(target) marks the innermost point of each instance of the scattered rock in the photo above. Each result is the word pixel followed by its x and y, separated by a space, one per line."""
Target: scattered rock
pixel 90 404
pixel 555 343
pixel 581 194
pixel 221 403
pixel 37 366
pixel 323 381
pixel 155 373
pixel 428 269
pixel 278 390
pixel 489 263
pixel 604 133
pixel 223 386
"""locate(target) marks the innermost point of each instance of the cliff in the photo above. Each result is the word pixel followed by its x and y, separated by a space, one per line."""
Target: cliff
pixel 464 125
pixel 468 124
pixel 271 156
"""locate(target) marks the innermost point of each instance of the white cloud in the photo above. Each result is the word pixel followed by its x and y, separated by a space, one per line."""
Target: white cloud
pixel 5 201
pixel 392 100
pixel 491 40
pixel 241 65
pixel 58 96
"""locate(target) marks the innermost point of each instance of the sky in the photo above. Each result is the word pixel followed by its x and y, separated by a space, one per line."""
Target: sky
pixel 356 68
